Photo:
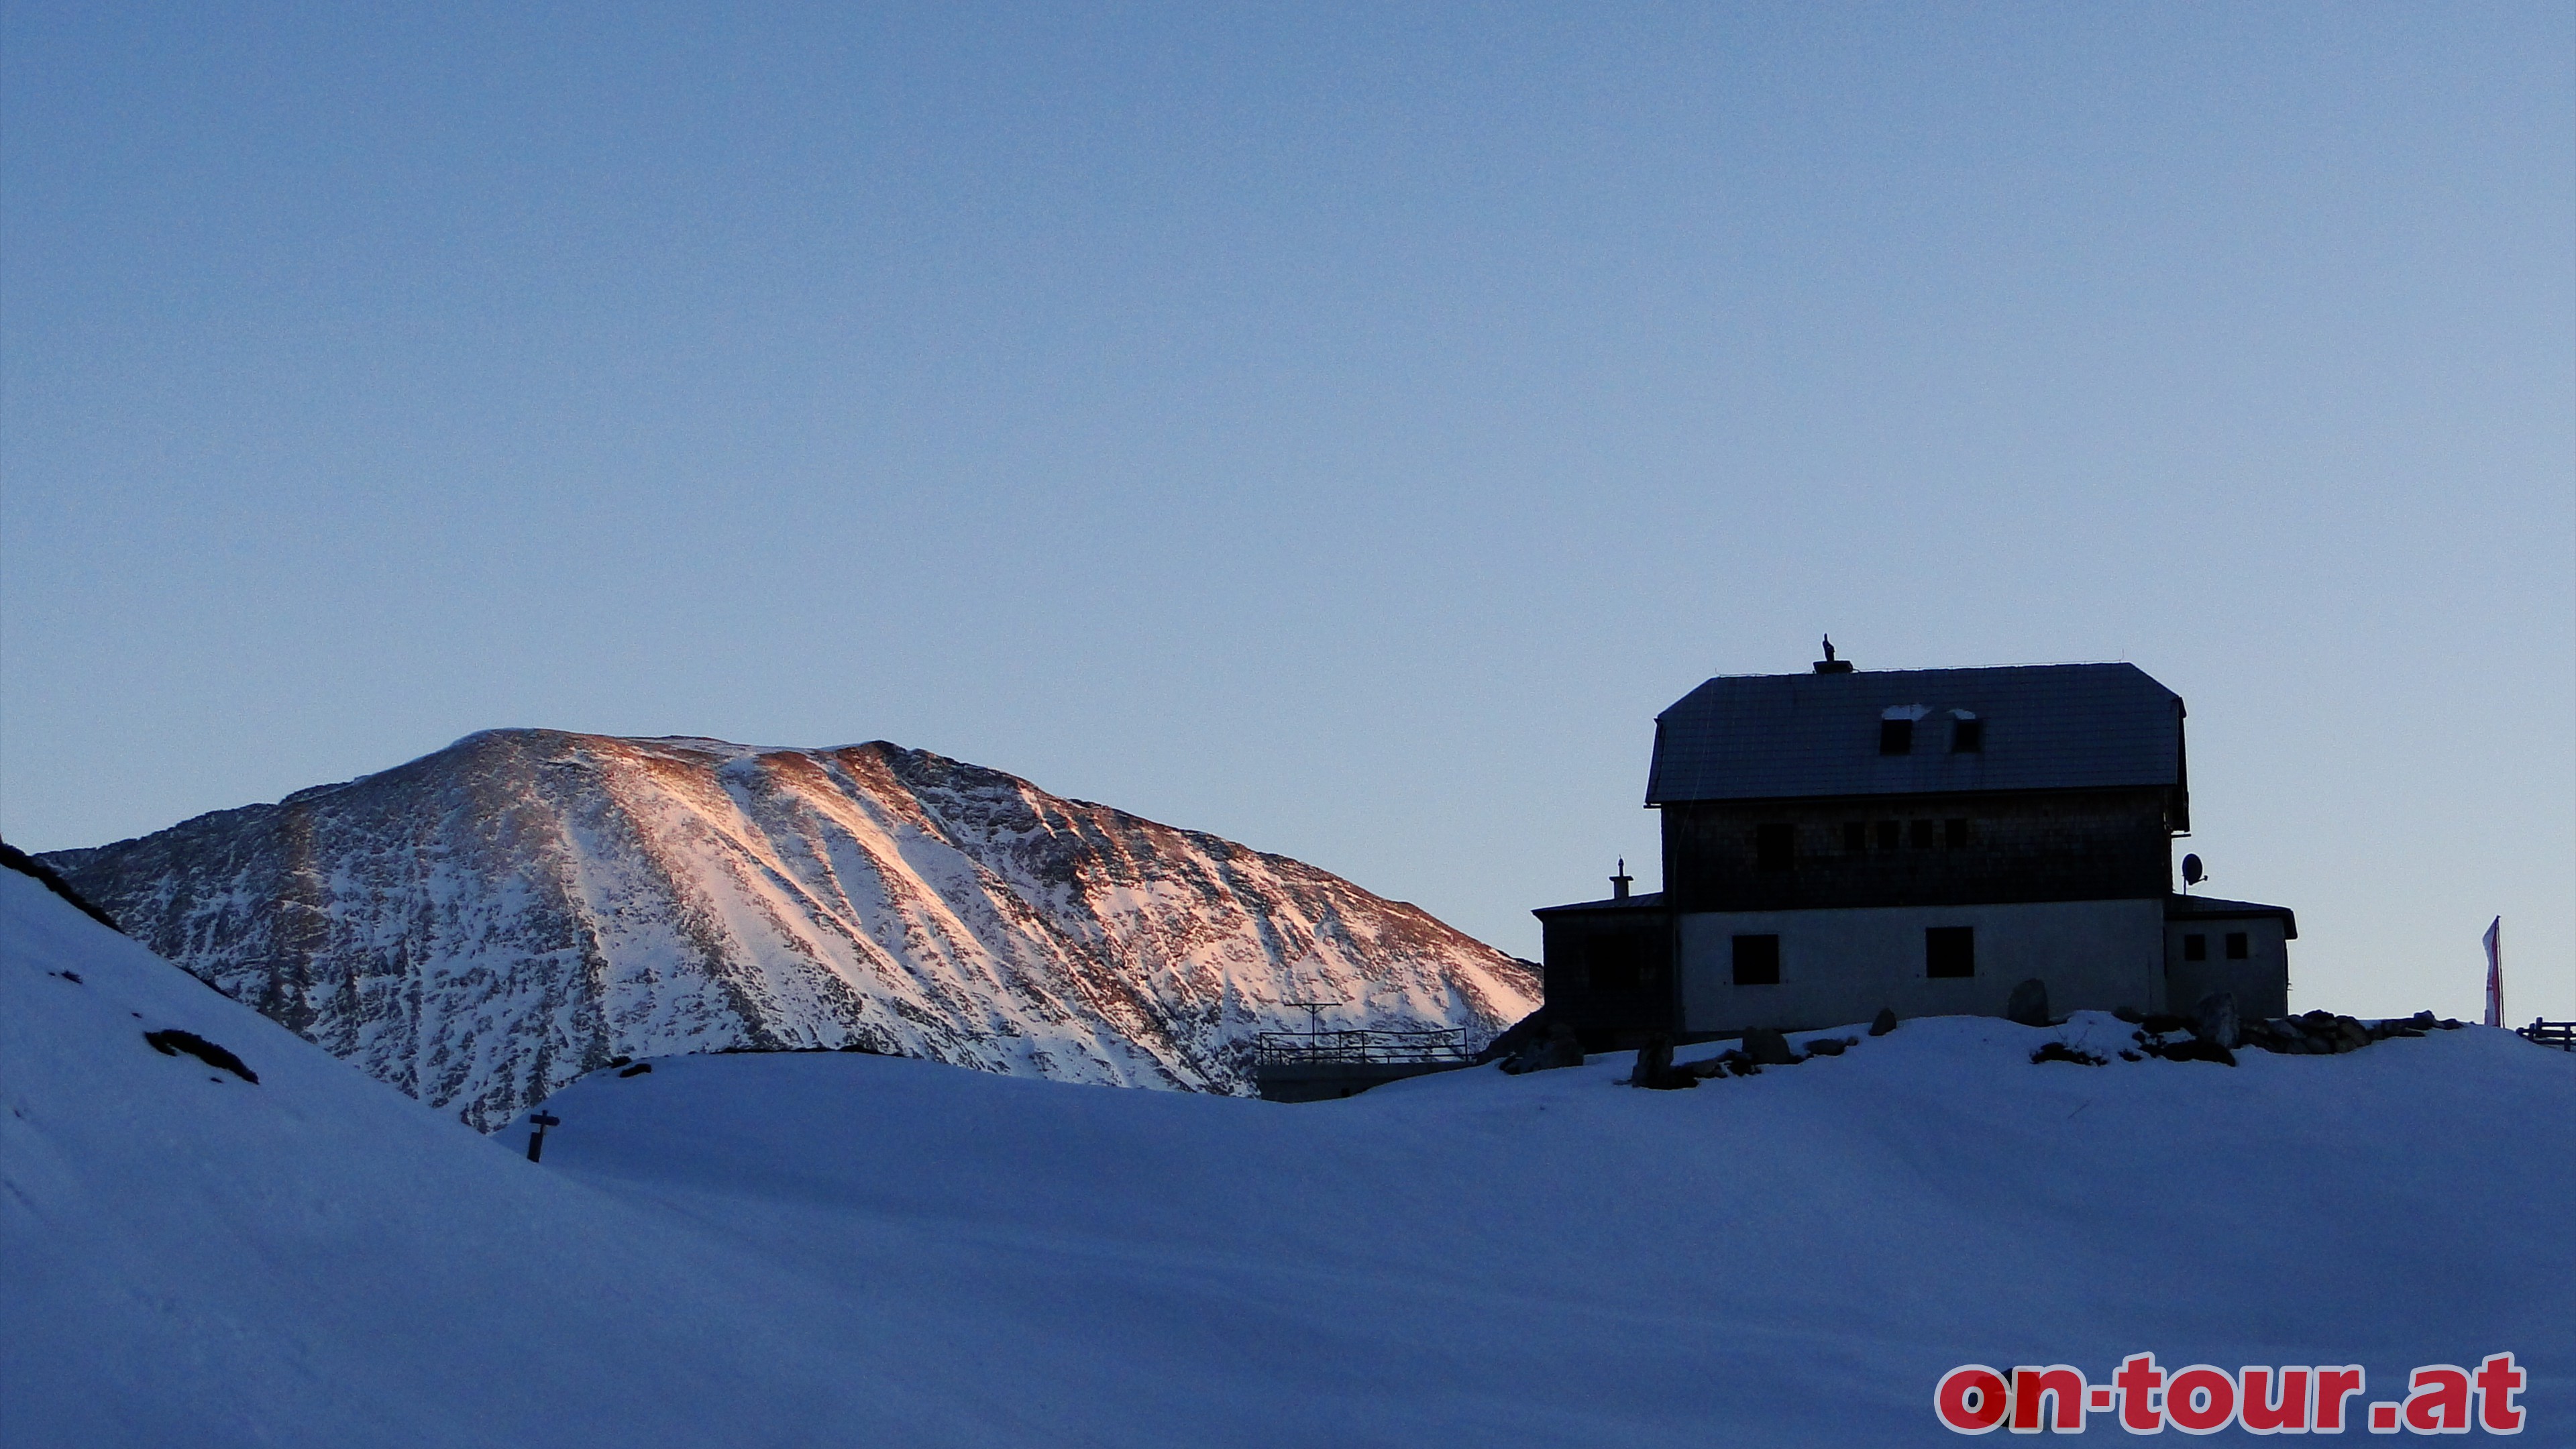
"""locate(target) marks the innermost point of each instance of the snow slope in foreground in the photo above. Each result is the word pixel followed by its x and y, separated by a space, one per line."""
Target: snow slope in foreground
pixel 189 1259
pixel 1793 1258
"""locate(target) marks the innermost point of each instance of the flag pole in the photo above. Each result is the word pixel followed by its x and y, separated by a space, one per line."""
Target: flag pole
pixel 2495 972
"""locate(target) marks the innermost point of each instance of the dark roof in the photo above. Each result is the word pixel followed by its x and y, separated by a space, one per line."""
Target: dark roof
pixel 1650 901
pixel 2211 908
pixel 2046 727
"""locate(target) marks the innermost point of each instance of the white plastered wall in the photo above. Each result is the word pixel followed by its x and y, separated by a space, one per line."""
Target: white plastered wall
pixel 1840 966
pixel 2260 982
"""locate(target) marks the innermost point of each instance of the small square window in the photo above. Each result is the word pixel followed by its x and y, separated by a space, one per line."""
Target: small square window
pixel 1967 736
pixel 2195 948
pixel 1774 847
pixel 1856 836
pixel 1757 960
pixel 1920 835
pixel 1890 832
pixel 2236 946
pixel 1950 951
pixel 1955 832
pixel 1896 737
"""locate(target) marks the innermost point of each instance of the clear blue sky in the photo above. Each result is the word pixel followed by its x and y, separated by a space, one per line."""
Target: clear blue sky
pixel 1342 430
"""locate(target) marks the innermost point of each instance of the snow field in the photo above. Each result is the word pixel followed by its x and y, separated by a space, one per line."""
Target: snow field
pixel 1558 1258
pixel 844 1249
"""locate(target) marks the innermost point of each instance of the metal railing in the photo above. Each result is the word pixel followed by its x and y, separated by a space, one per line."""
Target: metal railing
pixel 2559 1034
pixel 1371 1045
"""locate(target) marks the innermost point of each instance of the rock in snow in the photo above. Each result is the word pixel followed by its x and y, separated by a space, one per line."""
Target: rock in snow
pixel 485 924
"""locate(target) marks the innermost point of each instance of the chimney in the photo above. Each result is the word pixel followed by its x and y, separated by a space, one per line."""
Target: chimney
pixel 1619 882
pixel 1829 664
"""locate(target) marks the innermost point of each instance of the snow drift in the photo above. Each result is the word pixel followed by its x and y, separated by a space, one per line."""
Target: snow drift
pixel 482 925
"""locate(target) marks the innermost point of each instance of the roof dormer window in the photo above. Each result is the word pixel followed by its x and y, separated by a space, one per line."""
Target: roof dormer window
pixel 1967 733
pixel 1896 728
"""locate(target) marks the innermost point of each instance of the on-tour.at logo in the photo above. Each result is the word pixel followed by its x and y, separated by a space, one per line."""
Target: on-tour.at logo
pixel 2202 1398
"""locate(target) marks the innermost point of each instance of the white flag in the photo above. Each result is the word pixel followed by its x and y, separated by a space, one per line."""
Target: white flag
pixel 2495 973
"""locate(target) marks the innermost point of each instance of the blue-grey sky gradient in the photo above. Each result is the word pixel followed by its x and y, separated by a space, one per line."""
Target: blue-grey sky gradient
pixel 1342 429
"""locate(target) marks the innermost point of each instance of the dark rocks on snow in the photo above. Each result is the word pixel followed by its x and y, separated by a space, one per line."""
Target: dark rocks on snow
pixel 2129 1014
pixel 637 1070
pixel 2209 1034
pixel 1654 1059
pixel 1884 1022
pixel 1545 1051
pixel 1655 1067
pixel 2058 1051
pixel 25 864
pixel 1564 1048
pixel 1515 1039
pixel 173 1041
pixel 2323 1033
pixel 1831 1046
pixel 2028 1004
pixel 1766 1047
pixel 2192 1049
pixel 2213 1020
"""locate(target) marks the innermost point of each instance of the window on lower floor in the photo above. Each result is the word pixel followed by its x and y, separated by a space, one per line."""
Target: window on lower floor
pixel 1775 847
pixel 2236 946
pixel 1757 960
pixel 1949 950
pixel 2195 948
pixel 1955 832
pixel 1856 836
pixel 1889 832
pixel 1919 835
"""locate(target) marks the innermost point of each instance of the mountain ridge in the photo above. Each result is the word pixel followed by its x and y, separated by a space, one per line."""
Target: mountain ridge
pixel 483 924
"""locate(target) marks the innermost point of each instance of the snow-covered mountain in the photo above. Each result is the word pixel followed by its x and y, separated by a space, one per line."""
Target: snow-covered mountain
pixel 487 923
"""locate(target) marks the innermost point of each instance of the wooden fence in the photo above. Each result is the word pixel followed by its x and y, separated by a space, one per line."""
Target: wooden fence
pixel 2559 1034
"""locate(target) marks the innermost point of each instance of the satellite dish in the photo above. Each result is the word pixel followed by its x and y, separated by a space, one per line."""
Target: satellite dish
pixel 2192 874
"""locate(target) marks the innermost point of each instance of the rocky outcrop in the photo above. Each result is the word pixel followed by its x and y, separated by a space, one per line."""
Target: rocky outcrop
pixel 2322 1033
pixel 2213 1032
